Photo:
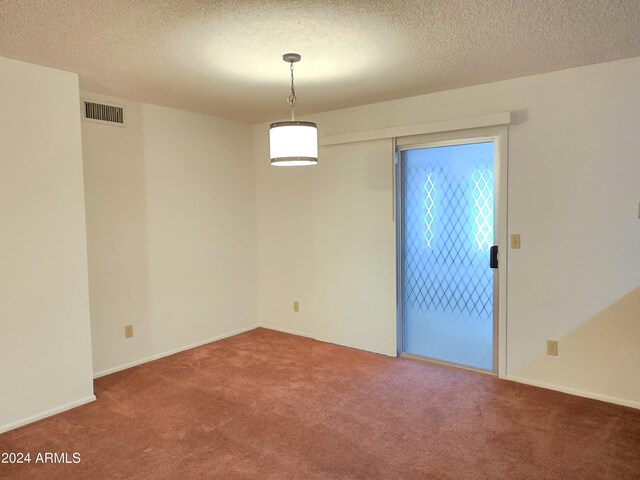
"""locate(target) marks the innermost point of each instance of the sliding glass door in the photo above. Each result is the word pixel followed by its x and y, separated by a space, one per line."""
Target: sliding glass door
pixel 446 232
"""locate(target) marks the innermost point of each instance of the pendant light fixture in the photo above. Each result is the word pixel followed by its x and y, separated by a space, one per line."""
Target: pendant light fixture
pixel 293 143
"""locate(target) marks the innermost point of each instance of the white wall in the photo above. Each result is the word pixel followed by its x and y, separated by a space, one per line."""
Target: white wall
pixel 171 229
pixel 574 188
pixel 45 346
pixel 328 242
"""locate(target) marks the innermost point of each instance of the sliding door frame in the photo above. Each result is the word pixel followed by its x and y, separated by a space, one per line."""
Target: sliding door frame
pixel 499 135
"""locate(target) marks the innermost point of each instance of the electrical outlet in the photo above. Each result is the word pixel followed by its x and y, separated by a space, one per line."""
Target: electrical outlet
pixel 296 306
pixel 515 240
pixel 552 347
pixel 128 331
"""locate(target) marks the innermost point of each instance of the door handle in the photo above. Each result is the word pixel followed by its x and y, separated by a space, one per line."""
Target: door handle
pixel 493 257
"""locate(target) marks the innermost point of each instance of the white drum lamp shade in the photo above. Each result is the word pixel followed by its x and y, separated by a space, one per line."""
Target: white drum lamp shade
pixel 293 143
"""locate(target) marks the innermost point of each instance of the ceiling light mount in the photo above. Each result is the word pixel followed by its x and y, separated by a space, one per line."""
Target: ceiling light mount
pixel 291 57
pixel 293 143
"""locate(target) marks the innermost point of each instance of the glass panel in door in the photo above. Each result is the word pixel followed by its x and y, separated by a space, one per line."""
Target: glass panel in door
pixel 447 232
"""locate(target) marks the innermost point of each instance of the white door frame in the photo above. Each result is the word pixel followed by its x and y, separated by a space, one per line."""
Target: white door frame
pixel 499 134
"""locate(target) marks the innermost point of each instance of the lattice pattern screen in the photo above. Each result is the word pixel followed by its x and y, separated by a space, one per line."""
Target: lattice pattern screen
pixel 447 284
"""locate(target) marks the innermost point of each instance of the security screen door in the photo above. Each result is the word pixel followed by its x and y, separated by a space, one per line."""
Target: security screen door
pixel 446 234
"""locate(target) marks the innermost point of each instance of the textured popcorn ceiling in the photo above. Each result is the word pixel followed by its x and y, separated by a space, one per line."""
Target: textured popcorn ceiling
pixel 224 57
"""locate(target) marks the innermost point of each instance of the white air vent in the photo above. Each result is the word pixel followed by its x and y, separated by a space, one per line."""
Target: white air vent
pixel 103 113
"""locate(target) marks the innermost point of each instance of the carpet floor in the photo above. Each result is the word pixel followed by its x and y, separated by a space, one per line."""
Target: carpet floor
pixel 267 405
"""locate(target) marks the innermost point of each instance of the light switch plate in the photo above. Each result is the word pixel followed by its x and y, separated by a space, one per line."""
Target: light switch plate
pixel 296 306
pixel 128 331
pixel 515 240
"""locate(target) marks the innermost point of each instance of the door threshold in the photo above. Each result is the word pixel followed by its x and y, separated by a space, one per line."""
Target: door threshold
pixel 413 356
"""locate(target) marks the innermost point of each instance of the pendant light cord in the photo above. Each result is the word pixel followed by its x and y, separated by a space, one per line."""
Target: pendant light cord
pixel 292 98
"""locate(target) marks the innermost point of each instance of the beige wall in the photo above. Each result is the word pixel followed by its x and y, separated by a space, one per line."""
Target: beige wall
pixel 171 232
pixel 45 346
pixel 574 188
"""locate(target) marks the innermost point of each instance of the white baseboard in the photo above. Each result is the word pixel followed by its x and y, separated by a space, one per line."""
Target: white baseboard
pixel 157 356
pixel 392 353
pixel 574 391
pixel 285 330
pixel 47 413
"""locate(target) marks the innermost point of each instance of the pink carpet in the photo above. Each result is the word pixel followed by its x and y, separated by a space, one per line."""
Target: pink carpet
pixel 266 405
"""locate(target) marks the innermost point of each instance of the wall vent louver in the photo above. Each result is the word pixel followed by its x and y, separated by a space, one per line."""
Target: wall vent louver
pixel 103 113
